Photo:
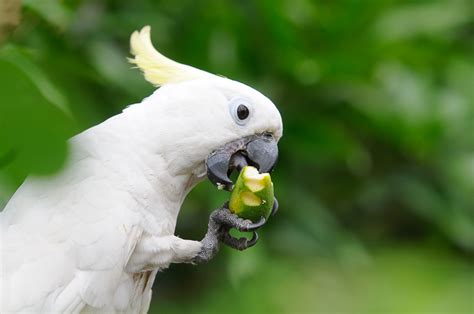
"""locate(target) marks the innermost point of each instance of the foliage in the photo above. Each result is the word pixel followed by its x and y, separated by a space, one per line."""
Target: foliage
pixel 377 99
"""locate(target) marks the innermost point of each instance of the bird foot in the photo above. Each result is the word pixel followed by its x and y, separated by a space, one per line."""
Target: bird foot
pixel 220 222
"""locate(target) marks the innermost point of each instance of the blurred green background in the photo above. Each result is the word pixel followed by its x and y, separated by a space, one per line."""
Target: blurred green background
pixel 376 174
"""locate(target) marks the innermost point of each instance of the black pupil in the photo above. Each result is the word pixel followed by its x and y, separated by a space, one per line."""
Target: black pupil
pixel 242 112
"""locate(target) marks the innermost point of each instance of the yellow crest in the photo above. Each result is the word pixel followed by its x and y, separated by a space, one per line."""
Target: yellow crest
pixel 158 69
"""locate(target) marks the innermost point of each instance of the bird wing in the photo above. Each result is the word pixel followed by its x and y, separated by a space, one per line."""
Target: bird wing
pixel 64 243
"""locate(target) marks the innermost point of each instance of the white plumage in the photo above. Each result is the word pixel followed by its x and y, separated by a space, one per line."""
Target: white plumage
pixel 92 238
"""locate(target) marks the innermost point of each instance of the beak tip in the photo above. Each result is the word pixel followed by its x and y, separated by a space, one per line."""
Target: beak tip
pixel 258 151
pixel 264 153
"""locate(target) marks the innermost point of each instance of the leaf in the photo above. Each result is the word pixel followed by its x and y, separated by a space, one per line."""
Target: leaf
pixel 54 12
pixel 34 131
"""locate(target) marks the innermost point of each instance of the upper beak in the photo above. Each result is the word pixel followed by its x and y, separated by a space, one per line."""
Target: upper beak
pixel 260 151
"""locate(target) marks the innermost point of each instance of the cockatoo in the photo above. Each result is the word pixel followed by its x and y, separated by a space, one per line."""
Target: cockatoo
pixel 93 237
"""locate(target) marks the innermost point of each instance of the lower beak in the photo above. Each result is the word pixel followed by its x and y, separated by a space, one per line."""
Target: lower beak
pixel 260 151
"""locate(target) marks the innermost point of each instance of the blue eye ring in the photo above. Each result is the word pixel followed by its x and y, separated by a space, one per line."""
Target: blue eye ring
pixel 240 110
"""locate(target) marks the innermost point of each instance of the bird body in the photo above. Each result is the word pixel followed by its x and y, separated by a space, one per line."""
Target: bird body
pixel 79 228
pixel 92 238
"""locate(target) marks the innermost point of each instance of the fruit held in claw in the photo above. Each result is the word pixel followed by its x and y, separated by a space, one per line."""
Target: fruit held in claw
pixel 252 197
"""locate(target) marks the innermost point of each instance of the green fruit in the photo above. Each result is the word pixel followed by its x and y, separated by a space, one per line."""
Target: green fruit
pixel 252 197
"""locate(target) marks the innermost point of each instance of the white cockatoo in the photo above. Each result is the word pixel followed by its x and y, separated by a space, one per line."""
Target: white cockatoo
pixel 92 238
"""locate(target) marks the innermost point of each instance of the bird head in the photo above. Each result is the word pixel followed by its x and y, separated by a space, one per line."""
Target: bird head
pixel 216 122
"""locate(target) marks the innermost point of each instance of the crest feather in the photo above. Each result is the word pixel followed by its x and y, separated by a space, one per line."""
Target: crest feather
pixel 158 69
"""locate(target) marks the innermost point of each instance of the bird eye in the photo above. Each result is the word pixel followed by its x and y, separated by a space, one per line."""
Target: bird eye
pixel 240 110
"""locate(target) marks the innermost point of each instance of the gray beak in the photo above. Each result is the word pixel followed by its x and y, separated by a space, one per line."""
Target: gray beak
pixel 260 151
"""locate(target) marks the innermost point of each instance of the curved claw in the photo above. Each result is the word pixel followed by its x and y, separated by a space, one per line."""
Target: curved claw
pixel 254 226
pixel 254 240
pixel 241 243
pixel 275 207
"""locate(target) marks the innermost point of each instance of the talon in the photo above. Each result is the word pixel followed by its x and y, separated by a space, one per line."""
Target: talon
pixel 241 243
pixel 254 240
pixel 254 226
pixel 275 207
